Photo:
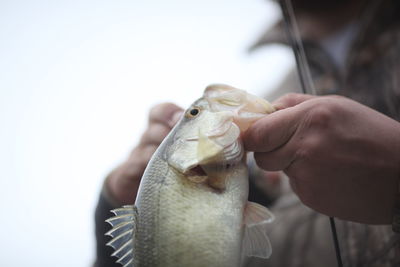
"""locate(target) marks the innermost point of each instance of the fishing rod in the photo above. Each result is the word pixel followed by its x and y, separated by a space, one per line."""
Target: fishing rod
pixel 306 82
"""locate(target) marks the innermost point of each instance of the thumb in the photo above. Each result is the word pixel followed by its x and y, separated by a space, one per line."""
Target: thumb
pixel 272 131
pixel 290 100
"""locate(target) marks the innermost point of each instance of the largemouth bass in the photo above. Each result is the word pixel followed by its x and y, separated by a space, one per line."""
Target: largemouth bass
pixel 192 209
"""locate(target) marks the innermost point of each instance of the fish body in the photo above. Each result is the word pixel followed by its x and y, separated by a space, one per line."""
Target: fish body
pixel 191 209
pixel 190 225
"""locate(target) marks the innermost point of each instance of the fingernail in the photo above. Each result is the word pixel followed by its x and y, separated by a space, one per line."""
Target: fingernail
pixel 175 118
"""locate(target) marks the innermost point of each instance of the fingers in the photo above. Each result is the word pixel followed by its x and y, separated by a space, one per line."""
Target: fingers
pixel 138 160
pixel 291 100
pixel 273 138
pixel 272 131
pixel 274 176
pixel 123 182
pixel 154 134
pixel 277 160
pixel 162 118
pixel 165 113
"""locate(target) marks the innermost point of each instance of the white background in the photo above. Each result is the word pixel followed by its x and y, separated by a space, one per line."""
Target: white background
pixel 76 81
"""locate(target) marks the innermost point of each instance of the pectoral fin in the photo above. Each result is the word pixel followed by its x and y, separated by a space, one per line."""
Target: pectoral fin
pixel 255 241
pixel 123 232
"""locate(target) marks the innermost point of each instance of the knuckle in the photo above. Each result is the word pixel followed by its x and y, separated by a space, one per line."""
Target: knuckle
pixel 154 134
pixel 289 99
pixel 322 114
pixel 309 148
pixel 292 96
pixel 162 112
pixel 149 150
pixel 337 97
pixel 159 130
pixel 303 153
pixel 155 109
pixel 141 155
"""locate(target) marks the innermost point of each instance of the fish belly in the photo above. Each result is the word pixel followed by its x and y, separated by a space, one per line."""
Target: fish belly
pixel 183 224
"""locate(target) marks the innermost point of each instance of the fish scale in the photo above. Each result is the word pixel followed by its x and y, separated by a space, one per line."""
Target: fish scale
pixel 185 219
pixel 193 219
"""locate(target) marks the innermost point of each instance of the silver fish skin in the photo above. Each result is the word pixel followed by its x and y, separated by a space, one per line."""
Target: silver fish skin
pixel 191 209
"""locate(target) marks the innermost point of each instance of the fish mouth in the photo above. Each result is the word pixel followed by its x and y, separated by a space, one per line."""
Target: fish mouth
pixel 207 169
pixel 196 171
pixel 213 175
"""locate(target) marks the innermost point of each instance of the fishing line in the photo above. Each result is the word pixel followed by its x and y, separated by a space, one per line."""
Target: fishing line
pixel 336 241
pixel 306 82
pixel 293 34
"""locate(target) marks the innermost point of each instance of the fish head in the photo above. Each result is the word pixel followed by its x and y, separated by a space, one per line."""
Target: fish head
pixel 206 142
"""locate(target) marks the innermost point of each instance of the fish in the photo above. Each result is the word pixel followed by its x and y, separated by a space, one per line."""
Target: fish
pixel 192 205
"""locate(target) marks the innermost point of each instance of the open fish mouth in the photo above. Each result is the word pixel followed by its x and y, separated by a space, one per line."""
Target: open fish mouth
pixel 196 171
pixel 205 170
pixel 220 163
pixel 213 174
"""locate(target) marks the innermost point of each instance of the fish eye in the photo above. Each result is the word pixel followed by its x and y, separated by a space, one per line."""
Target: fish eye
pixel 193 112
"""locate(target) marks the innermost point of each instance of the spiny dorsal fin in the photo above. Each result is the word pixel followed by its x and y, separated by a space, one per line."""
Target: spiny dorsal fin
pixel 255 241
pixel 123 231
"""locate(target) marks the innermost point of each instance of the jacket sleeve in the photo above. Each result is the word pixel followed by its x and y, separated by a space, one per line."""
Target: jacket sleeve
pixel 103 252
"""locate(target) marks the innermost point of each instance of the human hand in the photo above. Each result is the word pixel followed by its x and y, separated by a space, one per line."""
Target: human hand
pixel 123 182
pixel 342 158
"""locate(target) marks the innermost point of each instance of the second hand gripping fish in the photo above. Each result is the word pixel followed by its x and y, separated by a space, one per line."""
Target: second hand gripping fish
pixel 192 209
